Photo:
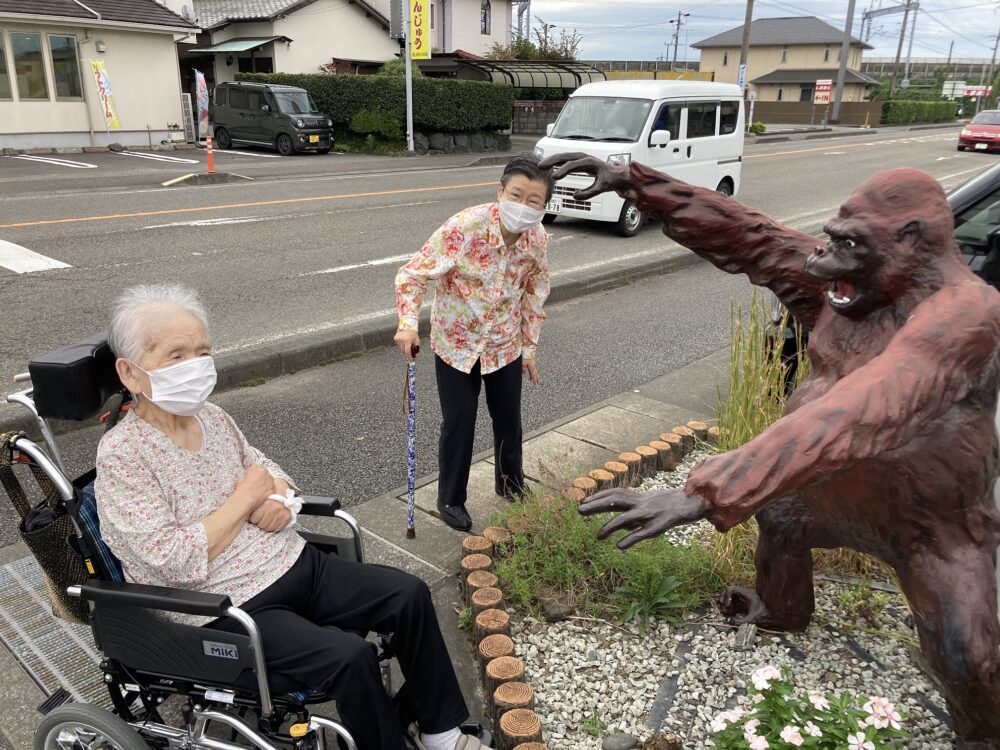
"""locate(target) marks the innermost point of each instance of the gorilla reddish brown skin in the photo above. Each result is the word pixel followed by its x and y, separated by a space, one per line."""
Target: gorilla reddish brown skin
pixel 889 447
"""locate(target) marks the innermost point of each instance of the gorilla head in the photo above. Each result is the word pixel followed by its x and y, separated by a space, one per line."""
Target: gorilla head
pixel 884 241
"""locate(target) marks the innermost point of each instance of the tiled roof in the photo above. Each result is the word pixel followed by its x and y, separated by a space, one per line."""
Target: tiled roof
pixel 212 13
pixel 802 75
pixel 140 12
pixel 773 32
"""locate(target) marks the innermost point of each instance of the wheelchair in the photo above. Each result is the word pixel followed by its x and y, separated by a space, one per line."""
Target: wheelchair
pixel 220 678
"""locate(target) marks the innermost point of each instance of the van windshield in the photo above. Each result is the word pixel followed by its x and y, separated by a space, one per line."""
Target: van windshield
pixel 294 102
pixel 592 118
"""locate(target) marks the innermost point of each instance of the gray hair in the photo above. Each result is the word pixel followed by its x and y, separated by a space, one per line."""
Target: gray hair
pixel 134 316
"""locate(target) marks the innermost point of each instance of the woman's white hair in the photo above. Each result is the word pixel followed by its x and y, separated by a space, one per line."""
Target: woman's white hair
pixel 137 311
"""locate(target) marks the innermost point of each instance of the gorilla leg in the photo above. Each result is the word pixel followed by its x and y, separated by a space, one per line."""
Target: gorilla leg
pixel 783 599
pixel 960 635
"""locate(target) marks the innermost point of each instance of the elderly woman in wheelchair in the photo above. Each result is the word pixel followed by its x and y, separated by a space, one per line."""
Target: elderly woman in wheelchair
pixel 185 502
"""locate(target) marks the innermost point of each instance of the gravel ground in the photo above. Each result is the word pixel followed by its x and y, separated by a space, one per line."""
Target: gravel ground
pixel 675 679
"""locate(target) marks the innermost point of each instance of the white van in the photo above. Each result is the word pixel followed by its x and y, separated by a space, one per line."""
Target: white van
pixel 692 130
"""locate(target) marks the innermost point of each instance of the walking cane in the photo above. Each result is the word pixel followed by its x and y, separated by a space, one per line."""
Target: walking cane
pixel 411 448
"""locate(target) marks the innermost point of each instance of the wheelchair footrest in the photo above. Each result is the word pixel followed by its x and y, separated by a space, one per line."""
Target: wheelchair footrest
pixel 55 700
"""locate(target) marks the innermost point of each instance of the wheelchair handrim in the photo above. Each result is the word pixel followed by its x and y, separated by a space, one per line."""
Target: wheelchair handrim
pixel 78 735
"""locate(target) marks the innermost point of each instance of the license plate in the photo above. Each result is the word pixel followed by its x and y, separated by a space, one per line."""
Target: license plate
pixel 314 139
pixel 981 146
pixel 553 208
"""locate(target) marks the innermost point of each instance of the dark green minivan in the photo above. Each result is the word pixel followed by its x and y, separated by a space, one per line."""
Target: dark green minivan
pixel 263 114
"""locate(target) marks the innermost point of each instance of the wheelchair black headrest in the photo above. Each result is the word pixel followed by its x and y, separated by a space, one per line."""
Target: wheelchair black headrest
pixel 74 382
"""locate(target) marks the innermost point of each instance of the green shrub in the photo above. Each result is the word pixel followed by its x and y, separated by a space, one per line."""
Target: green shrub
pixel 758 128
pixel 906 111
pixel 376 122
pixel 439 105
pixel 397 67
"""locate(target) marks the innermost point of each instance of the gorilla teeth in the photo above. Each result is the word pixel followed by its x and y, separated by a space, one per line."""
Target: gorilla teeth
pixel 838 300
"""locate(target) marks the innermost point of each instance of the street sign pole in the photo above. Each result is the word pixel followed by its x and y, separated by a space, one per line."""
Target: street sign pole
pixel 409 76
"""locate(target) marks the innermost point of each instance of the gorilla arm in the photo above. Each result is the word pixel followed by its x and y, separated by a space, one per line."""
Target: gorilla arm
pixel 733 237
pixel 942 353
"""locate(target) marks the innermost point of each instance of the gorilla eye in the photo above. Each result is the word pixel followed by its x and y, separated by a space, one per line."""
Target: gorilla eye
pixel 851 244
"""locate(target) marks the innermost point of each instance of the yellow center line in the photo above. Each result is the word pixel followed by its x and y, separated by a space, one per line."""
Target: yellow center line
pixel 250 204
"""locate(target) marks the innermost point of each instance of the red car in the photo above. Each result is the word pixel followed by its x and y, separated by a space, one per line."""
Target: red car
pixel 983 133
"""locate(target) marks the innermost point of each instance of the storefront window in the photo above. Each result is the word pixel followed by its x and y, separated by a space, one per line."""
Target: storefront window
pixel 4 75
pixel 65 67
pixel 29 66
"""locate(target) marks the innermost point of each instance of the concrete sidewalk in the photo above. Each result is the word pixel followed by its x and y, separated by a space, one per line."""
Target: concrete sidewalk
pixel 553 455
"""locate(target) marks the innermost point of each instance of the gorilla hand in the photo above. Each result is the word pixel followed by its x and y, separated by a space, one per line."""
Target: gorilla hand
pixel 646 514
pixel 606 177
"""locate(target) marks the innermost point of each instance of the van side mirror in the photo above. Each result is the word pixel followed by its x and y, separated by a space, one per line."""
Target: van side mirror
pixel 549 128
pixel 264 108
pixel 659 138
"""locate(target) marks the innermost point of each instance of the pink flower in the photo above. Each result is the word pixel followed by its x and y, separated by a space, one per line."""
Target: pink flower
pixel 858 742
pixel 819 700
pixel 763 676
pixel 792 736
pixel 812 730
pixel 759 743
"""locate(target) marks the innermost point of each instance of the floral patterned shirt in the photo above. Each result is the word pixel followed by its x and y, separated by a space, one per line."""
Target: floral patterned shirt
pixel 152 494
pixel 488 297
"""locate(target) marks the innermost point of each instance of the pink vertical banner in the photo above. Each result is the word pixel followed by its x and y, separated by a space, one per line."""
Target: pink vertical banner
pixel 202 96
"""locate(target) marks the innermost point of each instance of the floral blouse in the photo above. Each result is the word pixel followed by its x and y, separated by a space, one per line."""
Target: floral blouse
pixel 488 298
pixel 152 494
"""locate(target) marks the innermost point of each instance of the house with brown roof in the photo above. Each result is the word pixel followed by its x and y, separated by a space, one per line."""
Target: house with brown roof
pixel 78 74
pixel 786 58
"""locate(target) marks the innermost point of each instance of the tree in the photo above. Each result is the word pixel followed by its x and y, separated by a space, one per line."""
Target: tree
pixel 566 47
pixel 520 48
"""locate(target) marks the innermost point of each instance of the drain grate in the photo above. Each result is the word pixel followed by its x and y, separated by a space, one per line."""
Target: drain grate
pixel 55 653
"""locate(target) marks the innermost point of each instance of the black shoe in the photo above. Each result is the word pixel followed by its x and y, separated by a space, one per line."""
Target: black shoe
pixel 455 516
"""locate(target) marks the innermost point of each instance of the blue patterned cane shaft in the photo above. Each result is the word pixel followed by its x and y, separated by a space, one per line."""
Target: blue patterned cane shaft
pixel 411 442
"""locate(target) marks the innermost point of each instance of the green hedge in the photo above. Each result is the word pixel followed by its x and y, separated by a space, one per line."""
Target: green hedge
pixel 905 111
pixel 439 105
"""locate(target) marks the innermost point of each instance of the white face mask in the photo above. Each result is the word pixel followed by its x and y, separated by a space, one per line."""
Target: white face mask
pixel 517 218
pixel 183 389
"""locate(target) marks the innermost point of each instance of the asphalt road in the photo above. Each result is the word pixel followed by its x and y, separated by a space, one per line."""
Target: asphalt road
pixel 313 252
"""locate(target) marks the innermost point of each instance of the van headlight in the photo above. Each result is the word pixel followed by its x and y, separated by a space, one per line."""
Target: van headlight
pixel 620 160
pixel 329 122
pixel 539 153
pixel 300 123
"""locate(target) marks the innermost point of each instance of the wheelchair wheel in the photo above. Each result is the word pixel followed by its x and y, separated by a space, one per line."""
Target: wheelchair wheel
pixel 82 726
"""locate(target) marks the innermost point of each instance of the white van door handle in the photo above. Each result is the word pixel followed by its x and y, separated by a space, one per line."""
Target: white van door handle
pixel 677 150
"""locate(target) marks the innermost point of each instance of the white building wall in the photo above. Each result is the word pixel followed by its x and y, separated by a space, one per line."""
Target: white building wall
pixel 327 29
pixel 144 75
pixel 456 24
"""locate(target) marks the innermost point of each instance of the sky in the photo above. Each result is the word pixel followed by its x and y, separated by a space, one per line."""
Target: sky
pixel 640 29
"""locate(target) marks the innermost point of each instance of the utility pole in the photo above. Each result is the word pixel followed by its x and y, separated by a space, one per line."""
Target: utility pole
pixel 909 49
pixel 845 51
pixel 745 43
pixel 899 49
pixel 679 21
pixel 993 62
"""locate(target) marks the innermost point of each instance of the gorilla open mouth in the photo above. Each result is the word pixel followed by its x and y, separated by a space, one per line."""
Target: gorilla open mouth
pixel 842 294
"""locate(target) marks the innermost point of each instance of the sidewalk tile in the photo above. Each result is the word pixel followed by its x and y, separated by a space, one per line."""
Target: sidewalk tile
pixel 616 429
pixel 668 414
pixel 481 501
pixel 555 459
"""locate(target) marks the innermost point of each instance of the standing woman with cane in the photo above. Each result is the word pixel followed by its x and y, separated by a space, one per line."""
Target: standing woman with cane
pixel 492 278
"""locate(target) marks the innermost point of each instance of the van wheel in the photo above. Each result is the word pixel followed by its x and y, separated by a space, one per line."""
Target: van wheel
pixel 285 145
pixel 549 219
pixel 630 220
pixel 725 188
pixel 78 725
pixel 222 138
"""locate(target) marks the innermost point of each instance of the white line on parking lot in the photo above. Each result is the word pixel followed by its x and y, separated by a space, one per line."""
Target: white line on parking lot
pixel 159 157
pixel 22 260
pixel 57 162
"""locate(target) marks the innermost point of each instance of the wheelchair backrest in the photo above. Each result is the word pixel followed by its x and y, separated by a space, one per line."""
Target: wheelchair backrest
pixel 75 381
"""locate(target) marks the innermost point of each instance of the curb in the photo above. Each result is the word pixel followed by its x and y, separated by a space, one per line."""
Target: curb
pixel 296 353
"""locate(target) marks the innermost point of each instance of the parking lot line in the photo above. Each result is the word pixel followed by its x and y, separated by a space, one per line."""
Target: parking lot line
pixel 160 157
pixel 57 162
pixel 218 151
pixel 22 260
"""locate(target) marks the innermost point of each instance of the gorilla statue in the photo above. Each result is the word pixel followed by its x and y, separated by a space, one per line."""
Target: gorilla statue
pixel 889 447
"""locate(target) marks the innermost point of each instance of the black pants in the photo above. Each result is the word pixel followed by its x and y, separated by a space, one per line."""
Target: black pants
pixel 459 396
pixel 302 619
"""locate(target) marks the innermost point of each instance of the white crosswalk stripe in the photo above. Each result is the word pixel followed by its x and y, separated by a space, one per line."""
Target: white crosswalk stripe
pixel 22 260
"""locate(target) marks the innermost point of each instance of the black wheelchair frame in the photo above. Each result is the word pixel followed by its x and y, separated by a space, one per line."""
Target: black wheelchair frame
pixel 146 658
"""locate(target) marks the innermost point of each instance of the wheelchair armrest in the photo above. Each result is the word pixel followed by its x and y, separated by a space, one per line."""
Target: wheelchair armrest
pixel 319 506
pixel 155 597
